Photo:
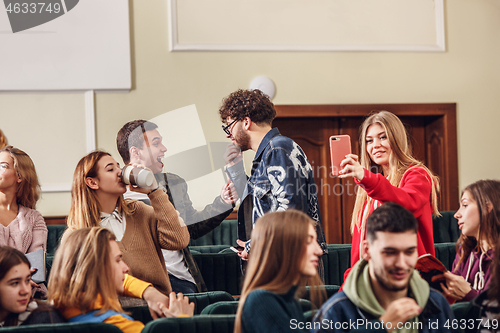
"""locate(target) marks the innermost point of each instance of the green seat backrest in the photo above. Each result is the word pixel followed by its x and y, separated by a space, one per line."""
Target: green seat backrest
pixel 227 308
pixel 202 300
pixel 208 248
pixel 231 307
pixel 336 262
pixel 53 237
pixel 225 234
pixel 445 228
pixel 195 324
pixel 221 271
pixel 446 253
pixel 64 327
pixel 329 289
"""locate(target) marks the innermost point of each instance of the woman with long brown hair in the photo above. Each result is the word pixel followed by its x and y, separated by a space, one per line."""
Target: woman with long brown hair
pixel 15 287
pixel 479 219
pixel 141 230
pixel 285 256
pixel 387 171
pixel 88 275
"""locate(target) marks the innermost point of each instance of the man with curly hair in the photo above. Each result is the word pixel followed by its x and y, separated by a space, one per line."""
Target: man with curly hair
pixel 281 176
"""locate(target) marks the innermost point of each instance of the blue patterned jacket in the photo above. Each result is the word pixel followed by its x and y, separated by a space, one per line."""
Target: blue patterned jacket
pixel 281 178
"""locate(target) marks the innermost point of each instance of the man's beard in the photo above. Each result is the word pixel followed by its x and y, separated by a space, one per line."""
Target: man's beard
pixel 242 140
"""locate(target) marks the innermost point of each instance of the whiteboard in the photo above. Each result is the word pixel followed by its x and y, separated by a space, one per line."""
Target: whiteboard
pixel 85 48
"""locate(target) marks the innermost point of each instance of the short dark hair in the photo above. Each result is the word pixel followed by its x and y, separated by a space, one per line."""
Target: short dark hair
pixel 390 217
pixel 131 135
pixel 248 103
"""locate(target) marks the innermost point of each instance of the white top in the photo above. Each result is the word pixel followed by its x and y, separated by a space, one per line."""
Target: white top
pixel 114 222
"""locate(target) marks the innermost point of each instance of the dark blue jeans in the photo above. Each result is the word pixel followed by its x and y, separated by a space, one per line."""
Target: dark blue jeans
pixel 182 286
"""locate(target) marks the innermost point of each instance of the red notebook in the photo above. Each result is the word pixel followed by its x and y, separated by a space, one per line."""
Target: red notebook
pixel 428 266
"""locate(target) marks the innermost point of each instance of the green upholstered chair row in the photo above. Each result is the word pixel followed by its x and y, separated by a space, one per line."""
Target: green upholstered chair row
pixel 225 234
pixel 200 300
pixel 230 307
pixel 201 323
pixel 445 228
pixel 64 328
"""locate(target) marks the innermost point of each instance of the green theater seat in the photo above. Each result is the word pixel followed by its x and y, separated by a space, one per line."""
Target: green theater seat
pixel 195 324
pixel 221 271
pixel 64 328
pixel 445 228
pixel 446 253
pixel 336 262
pixel 225 234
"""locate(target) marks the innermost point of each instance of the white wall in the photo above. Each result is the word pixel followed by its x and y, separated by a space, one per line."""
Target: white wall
pixel 468 73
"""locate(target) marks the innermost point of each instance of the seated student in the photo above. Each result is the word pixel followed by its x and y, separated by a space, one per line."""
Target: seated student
pixel 140 142
pixel 285 256
pixel 89 273
pixel 141 230
pixel 15 287
pixel 16 305
pixel 479 219
pixel 21 226
pixel 484 310
pixel 383 291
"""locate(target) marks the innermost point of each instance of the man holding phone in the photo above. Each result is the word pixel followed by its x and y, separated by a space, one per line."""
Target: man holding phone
pixel 281 176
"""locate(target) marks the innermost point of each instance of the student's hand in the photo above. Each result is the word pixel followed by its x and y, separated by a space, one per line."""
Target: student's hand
pixel 154 297
pixel 351 168
pixel 144 190
pixel 243 254
pixel 178 306
pixel 228 193
pixel 399 311
pixel 232 155
pixel 32 283
pixel 456 287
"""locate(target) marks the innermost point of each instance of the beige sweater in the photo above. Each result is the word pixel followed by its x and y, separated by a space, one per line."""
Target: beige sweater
pixel 150 229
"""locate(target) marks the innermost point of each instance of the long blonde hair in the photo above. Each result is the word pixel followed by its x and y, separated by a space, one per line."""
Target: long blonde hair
pixel 28 190
pixel 400 161
pixel 85 208
pixel 81 271
pixel 279 242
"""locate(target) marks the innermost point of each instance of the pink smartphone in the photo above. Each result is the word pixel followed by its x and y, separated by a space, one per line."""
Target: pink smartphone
pixel 340 146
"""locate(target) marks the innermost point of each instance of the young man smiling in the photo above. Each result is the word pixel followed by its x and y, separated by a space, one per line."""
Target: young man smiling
pixel 383 292
pixel 139 142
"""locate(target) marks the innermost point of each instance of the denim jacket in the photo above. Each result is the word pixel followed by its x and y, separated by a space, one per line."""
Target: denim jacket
pixel 281 178
pixel 339 314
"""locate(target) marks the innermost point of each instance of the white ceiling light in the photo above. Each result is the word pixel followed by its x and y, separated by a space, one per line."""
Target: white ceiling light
pixel 264 84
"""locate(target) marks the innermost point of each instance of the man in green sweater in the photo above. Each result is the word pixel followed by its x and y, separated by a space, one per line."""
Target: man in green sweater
pixel 383 292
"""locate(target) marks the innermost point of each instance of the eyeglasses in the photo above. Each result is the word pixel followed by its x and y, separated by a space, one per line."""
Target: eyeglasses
pixel 3 168
pixel 226 128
